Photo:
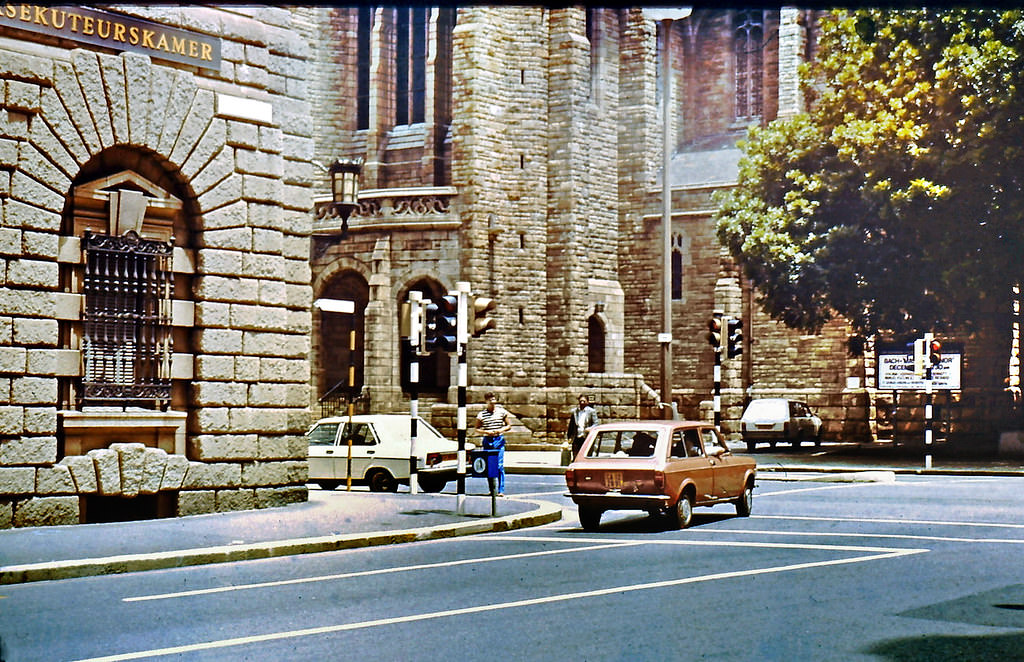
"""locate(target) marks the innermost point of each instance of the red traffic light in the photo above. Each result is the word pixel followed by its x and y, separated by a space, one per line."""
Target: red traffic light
pixel 715 332
pixel 935 352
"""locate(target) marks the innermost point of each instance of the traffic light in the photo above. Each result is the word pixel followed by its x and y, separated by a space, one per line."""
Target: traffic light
pixel 441 324
pixel 734 336
pixel 935 353
pixel 919 356
pixel 481 322
pixel 715 332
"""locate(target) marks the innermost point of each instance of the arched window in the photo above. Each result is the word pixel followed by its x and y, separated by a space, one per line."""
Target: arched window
pixel 126 305
pixel 410 64
pixel 595 344
pixel 364 30
pixel 748 33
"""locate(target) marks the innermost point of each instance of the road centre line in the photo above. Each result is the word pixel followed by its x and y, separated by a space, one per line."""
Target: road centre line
pixel 380 571
pixel 722 543
pixel 819 488
pixel 879 520
pixel 563 597
pixel 895 536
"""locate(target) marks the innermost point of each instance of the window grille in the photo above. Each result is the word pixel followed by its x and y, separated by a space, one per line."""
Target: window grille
pixel 126 344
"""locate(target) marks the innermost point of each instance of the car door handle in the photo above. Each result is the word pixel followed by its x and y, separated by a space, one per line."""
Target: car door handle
pixel 330 451
pixel 369 452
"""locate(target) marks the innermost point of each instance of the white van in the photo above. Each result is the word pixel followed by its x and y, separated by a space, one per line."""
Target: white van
pixel 380 453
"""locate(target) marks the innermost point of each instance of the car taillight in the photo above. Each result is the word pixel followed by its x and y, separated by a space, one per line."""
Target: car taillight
pixel 570 478
pixel 433 458
pixel 659 480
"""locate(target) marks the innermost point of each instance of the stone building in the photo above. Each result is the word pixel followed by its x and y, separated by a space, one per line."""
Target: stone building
pixel 165 229
pixel 155 214
pixel 518 149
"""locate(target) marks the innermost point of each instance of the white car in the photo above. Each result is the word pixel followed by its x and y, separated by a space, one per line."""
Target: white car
pixel 772 420
pixel 380 453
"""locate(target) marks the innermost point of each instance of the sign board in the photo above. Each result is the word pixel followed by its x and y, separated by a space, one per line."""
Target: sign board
pixel 116 31
pixel 896 369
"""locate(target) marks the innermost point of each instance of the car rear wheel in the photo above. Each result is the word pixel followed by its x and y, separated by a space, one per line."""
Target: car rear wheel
pixel 684 511
pixel 431 483
pixel 746 501
pixel 327 484
pixel 590 518
pixel 381 481
pixel 751 445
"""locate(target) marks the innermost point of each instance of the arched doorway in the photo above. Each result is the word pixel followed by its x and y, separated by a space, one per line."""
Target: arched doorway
pixel 435 369
pixel 335 353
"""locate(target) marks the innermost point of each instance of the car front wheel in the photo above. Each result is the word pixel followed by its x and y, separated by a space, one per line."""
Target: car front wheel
pixel 684 511
pixel 746 501
pixel 381 481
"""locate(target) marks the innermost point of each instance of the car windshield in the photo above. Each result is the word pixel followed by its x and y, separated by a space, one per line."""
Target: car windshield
pixel 623 443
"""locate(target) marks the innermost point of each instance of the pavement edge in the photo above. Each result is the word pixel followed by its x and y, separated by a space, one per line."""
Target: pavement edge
pixel 544 513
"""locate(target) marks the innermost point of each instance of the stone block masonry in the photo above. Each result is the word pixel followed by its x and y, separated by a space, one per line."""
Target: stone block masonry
pixel 226 157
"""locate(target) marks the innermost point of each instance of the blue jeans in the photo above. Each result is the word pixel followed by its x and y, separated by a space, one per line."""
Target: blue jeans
pixel 498 443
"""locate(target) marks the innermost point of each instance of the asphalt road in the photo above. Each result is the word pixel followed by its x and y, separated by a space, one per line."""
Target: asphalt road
pixel 924 568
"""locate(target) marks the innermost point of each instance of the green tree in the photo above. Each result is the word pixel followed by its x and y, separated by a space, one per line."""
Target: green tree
pixel 896 200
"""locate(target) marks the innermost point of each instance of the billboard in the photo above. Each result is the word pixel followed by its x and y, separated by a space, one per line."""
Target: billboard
pixel 896 369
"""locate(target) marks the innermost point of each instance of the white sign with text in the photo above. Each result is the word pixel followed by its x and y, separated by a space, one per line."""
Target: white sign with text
pixel 896 372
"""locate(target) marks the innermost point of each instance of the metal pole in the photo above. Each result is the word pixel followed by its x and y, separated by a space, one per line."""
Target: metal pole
pixel 351 398
pixel 666 222
pixel 462 290
pixel 928 401
pixel 414 385
pixel 723 327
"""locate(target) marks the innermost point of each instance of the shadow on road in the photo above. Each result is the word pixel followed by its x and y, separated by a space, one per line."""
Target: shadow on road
pixel 638 523
pixel 982 647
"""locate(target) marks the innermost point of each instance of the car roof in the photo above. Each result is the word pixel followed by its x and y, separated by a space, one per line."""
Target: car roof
pixel 651 424
pixel 363 418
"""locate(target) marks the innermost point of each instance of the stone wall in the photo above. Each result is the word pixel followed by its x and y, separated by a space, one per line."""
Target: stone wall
pixel 237 142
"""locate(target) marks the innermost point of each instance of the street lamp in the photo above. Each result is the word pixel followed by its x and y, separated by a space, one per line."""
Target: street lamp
pixel 666 15
pixel 345 188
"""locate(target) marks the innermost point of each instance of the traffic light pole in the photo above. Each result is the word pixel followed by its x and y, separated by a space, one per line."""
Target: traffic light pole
pixel 928 401
pixel 718 386
pixel 462 338
pixel 415 323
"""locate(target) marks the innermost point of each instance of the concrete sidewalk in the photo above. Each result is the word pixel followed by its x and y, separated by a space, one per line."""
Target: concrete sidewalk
pixel 328 521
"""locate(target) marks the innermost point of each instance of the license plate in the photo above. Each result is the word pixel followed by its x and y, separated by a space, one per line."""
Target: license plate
pixel 613 480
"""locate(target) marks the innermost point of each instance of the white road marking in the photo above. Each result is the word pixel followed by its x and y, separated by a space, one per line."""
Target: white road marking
pixel 880 520
pixel 897 536
pixel 819 488
pixel 563 597
pixel 381 571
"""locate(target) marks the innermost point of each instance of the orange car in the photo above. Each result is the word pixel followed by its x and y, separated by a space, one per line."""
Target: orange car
pixel 658 466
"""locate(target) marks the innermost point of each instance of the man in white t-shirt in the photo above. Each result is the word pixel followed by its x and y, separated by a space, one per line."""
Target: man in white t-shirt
pixel 492 423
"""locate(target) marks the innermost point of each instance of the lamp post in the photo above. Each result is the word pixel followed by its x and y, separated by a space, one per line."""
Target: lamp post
pixel 345 188
pixel 666 16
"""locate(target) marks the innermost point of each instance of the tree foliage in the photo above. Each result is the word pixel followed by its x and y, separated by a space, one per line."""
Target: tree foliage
pixel 896 200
